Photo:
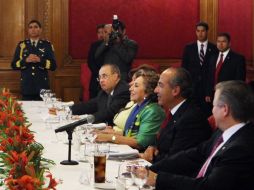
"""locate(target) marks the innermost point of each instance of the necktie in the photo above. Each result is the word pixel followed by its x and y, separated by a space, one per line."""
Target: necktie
pixel 202 171
pixel 109 100
pixel 202 55
pixel 218 69
pixel 33 44
pixel 165 122
pixel 168 118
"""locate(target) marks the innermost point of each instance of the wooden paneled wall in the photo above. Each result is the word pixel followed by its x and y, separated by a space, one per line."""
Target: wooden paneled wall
pixel 53 14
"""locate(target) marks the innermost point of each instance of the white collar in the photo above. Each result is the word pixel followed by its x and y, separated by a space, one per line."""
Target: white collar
pixel 231 130
pixel 174 109
pixel 204 43
pixel 225 53
pixel 36 41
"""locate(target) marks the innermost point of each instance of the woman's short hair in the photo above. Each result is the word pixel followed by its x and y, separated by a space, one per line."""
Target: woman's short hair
pixel 144 67
pixel 151 79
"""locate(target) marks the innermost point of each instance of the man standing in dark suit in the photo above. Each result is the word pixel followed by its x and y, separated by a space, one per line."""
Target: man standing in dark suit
pixel 113 96
pixel 95 64
pixel 188 126
pixel 226 161
pixel 226 65
pixel 34 57
pixel 195 59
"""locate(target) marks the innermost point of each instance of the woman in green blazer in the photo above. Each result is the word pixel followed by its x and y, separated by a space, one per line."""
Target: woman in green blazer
pixel 144 120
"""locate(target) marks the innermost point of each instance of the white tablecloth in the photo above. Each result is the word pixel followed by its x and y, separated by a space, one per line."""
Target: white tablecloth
pixel 58 151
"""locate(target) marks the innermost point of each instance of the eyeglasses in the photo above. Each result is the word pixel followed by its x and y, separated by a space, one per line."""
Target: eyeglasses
pixel 103 76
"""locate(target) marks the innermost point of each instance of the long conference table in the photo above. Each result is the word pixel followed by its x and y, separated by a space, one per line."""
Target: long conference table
pixel 69 176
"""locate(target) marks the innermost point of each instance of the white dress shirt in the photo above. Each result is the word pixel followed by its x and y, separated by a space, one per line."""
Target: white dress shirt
pixel 225 53
pixel 205 43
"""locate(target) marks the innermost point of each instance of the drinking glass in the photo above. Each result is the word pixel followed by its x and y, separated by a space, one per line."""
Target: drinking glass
pixel 124 177
pixel 103 148
pixel 99 167
pixel 80 143
pixel 87 174
pixel 42 92
pixel 139 173
pixel 89 129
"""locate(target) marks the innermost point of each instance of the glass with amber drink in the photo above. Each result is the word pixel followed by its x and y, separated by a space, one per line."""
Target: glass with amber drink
pixel 99 167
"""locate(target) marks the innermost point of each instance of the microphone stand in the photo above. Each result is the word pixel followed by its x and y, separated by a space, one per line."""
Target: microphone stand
pixel 69 161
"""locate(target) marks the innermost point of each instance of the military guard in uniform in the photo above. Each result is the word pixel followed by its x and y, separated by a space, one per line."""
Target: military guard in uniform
pixel 34 57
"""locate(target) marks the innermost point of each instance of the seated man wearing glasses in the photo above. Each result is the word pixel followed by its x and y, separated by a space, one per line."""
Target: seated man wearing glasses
pixel 113 96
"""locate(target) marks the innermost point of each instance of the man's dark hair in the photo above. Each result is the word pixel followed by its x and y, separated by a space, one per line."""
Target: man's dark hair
pixel 99 26
pixel 114 68
pixel 204 24
pixel 224 34
pixel 182 78
pixel 239 97
pixel 35 21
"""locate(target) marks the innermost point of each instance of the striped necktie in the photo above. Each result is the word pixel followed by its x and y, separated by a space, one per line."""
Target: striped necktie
pixel 202 55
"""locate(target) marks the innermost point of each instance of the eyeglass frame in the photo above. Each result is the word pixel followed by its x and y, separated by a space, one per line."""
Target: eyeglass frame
pixel 104 76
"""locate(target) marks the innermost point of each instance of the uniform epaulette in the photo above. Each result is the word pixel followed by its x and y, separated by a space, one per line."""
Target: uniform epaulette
pixel 45 41
pixel 20 42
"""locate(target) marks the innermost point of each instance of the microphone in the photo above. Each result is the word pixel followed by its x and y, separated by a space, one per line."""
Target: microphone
pixel 72 126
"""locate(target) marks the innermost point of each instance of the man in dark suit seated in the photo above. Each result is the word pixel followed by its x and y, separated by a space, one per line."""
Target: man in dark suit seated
pixel 226 161
pixel 113 96
pixel 195 59
pixel 224 66
pixel 188 126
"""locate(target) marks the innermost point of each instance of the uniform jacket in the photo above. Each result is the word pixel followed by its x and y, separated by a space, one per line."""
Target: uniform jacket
pixel 34 76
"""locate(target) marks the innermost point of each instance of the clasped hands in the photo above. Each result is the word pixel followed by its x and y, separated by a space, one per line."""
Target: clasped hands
pixel 149 153
pixel 32 58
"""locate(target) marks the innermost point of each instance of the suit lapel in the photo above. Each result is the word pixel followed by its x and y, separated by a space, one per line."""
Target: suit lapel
pixel 230 143
pixel 208 50
pixel 227 60
pixel 196 53
pixel 170 127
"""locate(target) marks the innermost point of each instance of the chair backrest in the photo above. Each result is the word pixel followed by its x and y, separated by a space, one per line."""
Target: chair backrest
pixel 85 75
